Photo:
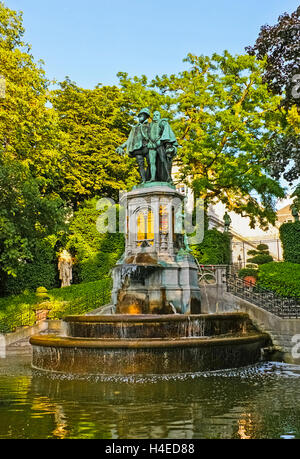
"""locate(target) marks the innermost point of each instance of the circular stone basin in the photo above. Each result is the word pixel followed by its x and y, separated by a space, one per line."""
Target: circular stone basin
pixel 125 326
pixel 144 345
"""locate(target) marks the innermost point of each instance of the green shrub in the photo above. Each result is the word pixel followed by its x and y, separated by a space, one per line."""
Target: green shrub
pixel 214 249
pixel 290 238
pixel 18 310
pixel 261 259
pixel 41 294
pixel 262 248
pixel 42 270
pixel 95 253
pixel 260 255
pixel 97 266
pixel 80 298
pixel 282 278
pixel 248 272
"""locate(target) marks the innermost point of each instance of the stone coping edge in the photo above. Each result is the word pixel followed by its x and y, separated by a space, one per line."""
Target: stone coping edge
pixel 92 343
pixel 142 318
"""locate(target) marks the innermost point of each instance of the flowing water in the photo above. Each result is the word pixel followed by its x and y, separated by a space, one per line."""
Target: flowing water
pixel 261 401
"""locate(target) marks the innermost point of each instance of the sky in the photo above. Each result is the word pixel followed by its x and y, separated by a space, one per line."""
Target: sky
pixel 91 41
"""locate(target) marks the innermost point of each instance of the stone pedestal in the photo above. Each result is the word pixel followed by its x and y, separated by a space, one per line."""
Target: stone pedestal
pixel 156 274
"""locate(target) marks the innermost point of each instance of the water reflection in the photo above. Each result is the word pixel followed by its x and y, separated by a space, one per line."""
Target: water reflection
pixel 260 402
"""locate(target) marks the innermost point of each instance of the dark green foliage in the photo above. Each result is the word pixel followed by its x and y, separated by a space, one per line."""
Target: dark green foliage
pixel 92 124
pixel 79 299
pixel 95 253
pixel 290 238
pixel 41 270
pixel 18 310
pixel 261 259
pixel 29 276
pixel 260 256
pixel 214 250
pixel 26 217
pixel 262 247
pixel 248 272
pixel 252 252
pixel 97 266
pixel 281 44
pixel 282 278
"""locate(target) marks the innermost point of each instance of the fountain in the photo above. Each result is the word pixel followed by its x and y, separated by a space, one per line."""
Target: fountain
pixel 154 324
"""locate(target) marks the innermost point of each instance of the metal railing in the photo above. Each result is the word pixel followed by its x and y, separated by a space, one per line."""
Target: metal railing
pixel 284 307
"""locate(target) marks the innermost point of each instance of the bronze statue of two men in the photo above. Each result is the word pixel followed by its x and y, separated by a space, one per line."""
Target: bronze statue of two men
pixel 154 142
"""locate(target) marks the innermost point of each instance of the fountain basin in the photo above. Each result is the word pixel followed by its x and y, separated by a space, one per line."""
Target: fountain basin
pixel 123 326
pixel 149 344
pixel 144 357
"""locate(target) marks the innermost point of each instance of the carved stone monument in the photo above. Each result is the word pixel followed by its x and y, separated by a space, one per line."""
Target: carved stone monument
pixel 65 264
pixel 157 273
pixel 154 146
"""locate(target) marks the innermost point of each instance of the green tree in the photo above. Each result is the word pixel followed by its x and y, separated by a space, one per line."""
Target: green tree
pixel 214 249
pixel 26 216
pixel 224 117
pixel 95 253
pixel 28 129
pixel 93 123
pixel 28 212
pixel 280 45
pixel 260 255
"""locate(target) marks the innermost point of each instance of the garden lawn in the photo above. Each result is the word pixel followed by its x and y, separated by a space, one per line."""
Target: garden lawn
pixel 18 310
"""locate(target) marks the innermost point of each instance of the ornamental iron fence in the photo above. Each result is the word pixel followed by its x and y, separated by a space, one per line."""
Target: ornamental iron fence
pixel 281 306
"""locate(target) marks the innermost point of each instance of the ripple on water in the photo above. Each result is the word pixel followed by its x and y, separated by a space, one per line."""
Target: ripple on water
pixel 259 370
pixel 258 401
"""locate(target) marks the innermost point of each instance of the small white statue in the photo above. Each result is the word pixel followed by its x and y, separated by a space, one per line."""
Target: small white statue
pixel 65 263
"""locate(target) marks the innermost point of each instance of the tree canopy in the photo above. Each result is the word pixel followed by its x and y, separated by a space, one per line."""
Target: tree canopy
pixel 93 122
pixel 27 213
pixel 224 118
pixel 280 45
pixel 236 119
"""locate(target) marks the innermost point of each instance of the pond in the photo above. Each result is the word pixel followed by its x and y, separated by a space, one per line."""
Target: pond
pixel 261 401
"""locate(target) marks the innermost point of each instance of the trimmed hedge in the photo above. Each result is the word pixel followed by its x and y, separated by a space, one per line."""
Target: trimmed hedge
pixel 42 270
pixel 214 250
pixel 290 238
pixel 261 259
pixel 244 272
pixel 260 255
pixel 18 310
pixel 98 264
pixel 95 253
pixel 282 278
pixel 79 298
